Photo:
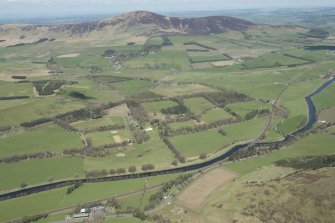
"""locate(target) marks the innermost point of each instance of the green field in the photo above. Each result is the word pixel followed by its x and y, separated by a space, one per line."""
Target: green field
pixel 245 107
pixel 134 86
pixel 156 107
pixel 101 138
pixel 198 105
pixel 57 198
pixel 194 144
pixel 53 139
pixel 95 123
pixel 215 114
pixel 325 99
pixel 15 89
pixel 166 59
pixel 37 108
pixel 291 124
pixel 33 172
pixel 273 60
pixel 92 94
pixel 245 131
pixel 172 90
pixel 153 151
pixel 177 125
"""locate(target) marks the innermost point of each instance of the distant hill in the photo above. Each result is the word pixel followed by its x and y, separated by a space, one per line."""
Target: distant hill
pixel 139 22
pixel 191 26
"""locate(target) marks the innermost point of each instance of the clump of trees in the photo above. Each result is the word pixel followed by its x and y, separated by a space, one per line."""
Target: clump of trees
pixel 140 136
pixel 4 129
pixel 252 151
pixel 159 219
pixel 74 187
pixel 203 156
pixel 176 110
pixel 222 132
pixel 156 198
pixel 23 185
pixel 137 213
pixel 32 218
pixel 13 98
pixel 47 87
pixel 36 122
pixel 166 41
pixel 308 162
pixel 137 111
pixel 17 158
pixel 147 167
pixel 225 97
pixel 96 173
pixel 260 112
pixel 119 171
pixel 132 169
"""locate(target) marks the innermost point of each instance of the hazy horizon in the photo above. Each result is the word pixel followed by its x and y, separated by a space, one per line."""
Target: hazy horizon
pixel 52 8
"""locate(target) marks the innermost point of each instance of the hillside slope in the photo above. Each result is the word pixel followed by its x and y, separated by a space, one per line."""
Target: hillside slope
pixel 139 23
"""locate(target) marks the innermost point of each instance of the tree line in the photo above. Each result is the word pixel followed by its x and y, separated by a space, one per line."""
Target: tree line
pixel 17 158
pixel 308 162
pixel 157 197
pixel 119 171
pixel 175 151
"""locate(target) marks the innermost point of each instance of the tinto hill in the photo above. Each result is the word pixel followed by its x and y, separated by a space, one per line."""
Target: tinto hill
pixel 139 22
pixel 192 26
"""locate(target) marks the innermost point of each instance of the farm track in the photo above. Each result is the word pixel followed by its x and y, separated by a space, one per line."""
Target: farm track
pixel 199 166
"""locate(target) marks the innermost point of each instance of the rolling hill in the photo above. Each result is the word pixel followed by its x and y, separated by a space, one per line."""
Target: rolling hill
pixel 139 22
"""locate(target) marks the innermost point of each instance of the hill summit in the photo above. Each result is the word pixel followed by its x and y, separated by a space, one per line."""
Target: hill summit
pixel 191 26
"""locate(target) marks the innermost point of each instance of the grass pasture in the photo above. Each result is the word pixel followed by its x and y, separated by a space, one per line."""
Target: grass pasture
pixel 198 105
pixel 173 90
pixel 34 172
pixel 52 138
pixel 95 123
pixel 37 108
pixel 325 99
pixel 215 114
pixel 8 89
pixel 101 138
pixel 177 125
pixel 156 107
pixel 166 59
pixel 245 131
pixel 245 107
pixel 134 86
pixel 91 94
pixel 273 60
pixel 192 145
pixel 291 124
pixel 153 151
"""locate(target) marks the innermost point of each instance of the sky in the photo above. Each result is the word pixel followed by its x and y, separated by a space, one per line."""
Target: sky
pixel 35 8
